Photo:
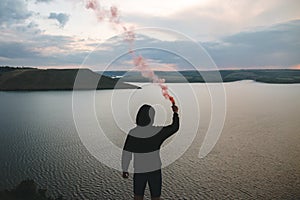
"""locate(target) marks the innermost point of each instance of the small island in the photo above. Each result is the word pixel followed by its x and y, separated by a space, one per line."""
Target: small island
pixel 33 79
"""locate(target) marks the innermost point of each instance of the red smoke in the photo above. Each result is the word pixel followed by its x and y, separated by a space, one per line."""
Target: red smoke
pixel 140 62
pixel 112 14
pixel 129 34
pixel 147 72
pixel 92 4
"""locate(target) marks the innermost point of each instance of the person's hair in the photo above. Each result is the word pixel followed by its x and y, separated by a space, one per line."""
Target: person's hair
pixel 145 115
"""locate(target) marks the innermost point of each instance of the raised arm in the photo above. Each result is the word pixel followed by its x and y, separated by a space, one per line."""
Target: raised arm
pixel 167 131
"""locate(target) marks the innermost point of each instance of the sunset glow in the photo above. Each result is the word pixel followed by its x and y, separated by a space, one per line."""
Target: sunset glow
pixel 235 33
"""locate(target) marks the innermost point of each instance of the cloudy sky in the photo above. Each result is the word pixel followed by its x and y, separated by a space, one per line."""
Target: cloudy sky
pixel 235 34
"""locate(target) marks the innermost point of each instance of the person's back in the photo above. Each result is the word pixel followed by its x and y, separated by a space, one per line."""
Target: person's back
pixel 144 142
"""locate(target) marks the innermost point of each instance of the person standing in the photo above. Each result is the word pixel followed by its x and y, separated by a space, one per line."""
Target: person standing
pixel 143 143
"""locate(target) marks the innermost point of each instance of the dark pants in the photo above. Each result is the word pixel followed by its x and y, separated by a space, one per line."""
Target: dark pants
pixel 154 180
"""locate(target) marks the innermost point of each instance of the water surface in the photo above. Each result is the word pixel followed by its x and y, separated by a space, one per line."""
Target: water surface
pixel 257 155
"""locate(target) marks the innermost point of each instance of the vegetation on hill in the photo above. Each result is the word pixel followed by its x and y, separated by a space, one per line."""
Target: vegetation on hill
pixel 263 75
pixel 33 79
pixel 15 79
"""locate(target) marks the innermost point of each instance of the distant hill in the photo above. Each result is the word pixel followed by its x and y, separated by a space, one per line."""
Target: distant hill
pixel 32 79
pixel 280 76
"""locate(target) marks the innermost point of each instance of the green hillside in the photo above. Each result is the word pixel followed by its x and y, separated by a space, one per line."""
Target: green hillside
pixel 12 79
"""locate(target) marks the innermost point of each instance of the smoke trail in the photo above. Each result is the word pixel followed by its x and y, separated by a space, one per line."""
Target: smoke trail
pixel 113 15
pixel 94 5
pixel 101 13
pixel 147 72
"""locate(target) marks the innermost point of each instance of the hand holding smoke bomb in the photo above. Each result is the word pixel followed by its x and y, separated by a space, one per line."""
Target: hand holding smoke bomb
pixel 175 108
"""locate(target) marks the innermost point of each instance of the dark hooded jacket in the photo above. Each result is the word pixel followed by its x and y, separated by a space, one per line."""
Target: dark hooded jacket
pixel 144 141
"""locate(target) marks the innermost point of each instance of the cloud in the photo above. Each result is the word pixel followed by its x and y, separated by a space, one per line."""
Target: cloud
pixel 210 20
pixel 277 45
pixel 13 11
pixel 43 1
pixel 40 53
pixel 35 48
pixel 14 50
pixel 60 17
pixel 158 53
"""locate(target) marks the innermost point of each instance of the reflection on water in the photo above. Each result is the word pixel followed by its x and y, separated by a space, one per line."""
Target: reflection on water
pixel 258 154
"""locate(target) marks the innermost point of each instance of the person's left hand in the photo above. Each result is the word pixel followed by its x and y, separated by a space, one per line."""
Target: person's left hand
pixel 125 174
pixel 175 108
